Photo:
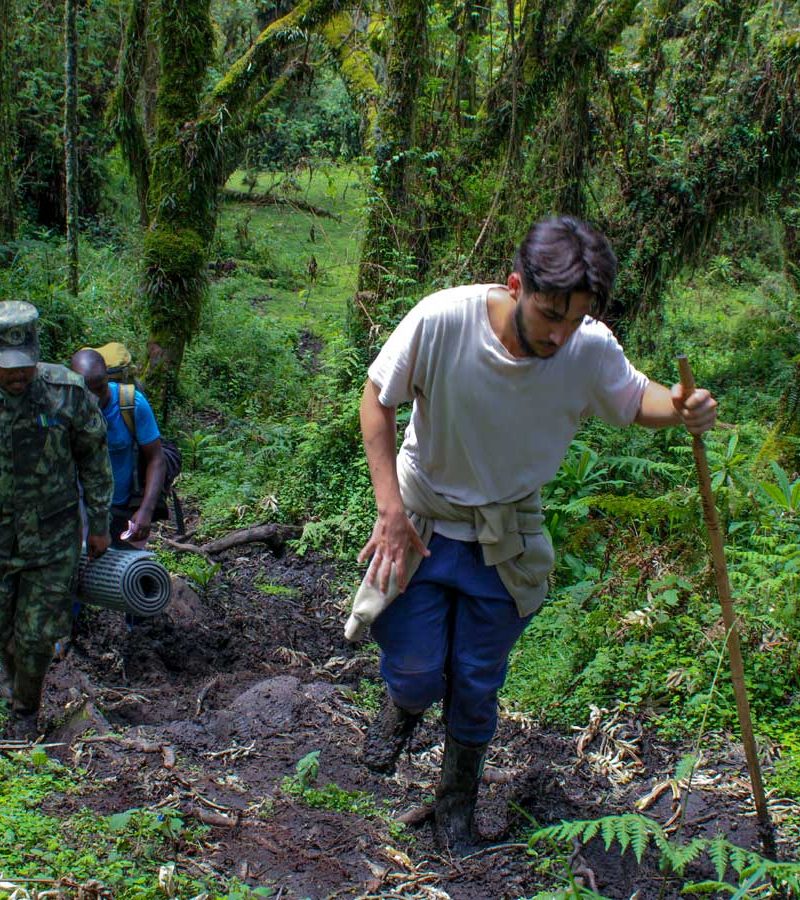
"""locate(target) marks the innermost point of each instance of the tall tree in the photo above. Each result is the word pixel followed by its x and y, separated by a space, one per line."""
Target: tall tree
pixel 71 138
pixel 197 142
pixel 394 242
pixel 122 113
pixel 7 123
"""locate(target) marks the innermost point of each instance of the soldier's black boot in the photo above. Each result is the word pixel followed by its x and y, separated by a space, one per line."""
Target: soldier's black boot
pixel 386 737
pixel 6 674
pixel 29 677
pixel 23 725
pixel 457 795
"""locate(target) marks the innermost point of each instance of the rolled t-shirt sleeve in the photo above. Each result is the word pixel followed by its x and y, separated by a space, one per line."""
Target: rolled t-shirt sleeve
pixel 395 369
pixel 619 386
pixel 146 425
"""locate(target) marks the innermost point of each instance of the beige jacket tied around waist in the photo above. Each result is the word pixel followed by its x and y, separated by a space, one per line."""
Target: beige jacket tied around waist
pixel 510 535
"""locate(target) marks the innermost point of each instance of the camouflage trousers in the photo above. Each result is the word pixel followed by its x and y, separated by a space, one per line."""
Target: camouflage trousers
pixel 35 611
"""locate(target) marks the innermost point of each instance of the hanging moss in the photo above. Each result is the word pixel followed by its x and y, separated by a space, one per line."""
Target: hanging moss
pixel 355 66
pixel 231 90
pixel 122 115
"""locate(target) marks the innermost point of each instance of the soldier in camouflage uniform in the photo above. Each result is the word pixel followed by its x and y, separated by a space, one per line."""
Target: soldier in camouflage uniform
pixel 51 434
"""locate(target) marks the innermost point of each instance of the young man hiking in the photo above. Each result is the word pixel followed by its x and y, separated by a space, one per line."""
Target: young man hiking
pixel 500 378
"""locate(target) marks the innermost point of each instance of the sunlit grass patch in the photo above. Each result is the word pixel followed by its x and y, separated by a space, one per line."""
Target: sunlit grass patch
pixel 277 241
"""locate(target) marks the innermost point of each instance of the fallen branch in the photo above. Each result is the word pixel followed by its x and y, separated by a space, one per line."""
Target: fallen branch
pixel 209 817
pixel 187 548
pixel 142 746
pixel 267 199
pixel 274 536
pixel 13 746
pixel 417 815
pixel 204 693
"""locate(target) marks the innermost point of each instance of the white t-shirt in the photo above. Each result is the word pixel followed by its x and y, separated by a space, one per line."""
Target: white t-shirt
pixel 485 426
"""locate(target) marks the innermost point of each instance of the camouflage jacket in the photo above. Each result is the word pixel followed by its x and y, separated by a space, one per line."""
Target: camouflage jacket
pixel 50 437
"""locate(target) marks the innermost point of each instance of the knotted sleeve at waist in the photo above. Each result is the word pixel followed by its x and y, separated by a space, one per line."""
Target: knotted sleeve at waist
pixel 510 534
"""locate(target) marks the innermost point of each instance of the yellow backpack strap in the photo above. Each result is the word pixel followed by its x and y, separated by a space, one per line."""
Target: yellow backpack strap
pixel 127 406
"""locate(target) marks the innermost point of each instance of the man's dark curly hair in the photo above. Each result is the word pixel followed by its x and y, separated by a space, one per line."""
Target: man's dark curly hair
pixel 562 255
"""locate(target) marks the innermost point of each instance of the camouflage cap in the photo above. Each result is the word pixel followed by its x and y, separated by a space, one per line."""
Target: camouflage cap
pixel 19 342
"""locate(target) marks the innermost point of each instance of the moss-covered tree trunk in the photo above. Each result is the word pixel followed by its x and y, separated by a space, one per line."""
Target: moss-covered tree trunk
pixel 7 129
pixel 71 139
pixel 123 114
pixel 194 130
pixel 355 67
pixel 182 193
pixel 392 249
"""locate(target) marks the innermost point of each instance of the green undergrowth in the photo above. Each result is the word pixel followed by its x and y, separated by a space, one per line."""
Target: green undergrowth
pixel 188 565
pixel 107 308
pixel 302 786
pixel 133 855
pixel 633 621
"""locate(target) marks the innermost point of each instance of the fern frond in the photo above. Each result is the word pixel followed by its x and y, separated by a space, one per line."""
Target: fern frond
pixel 591 830
pixel 685 766
pixel 637 466
pixel 751 881
pixel 718 850
pixel 707 887
pixel 608 827
pixel 639 833
pixel 683 854
pixel 740 858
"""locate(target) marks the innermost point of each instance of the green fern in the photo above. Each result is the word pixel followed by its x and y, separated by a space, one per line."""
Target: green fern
pixel 638 833
pixel 707 888
pixel 685 766
pixel 639 466
pixel 718 850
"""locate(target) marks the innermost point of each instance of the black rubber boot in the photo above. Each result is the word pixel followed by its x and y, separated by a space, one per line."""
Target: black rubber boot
pixel 457 795
pixel 29 673
pixel 386 737
pixel 6 676
pixel 23 726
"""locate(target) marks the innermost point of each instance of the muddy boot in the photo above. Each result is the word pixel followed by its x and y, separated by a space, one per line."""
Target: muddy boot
pixel 386 737
pixel 457 794
pixel 29 681
pixel 6 673
pixel 23 725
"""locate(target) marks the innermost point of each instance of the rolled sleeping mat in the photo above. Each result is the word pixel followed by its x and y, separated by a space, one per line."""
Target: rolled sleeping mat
pixel 128 580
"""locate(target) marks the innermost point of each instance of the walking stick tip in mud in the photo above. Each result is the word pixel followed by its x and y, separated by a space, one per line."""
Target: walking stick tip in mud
pixel 765 827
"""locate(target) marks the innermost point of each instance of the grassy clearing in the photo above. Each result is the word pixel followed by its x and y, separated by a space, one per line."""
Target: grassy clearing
pixel 274 243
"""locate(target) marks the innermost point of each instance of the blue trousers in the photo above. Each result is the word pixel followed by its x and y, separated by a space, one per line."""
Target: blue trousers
pixel 448 638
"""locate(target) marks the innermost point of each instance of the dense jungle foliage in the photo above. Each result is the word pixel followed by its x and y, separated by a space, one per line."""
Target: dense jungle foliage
pixel 266 187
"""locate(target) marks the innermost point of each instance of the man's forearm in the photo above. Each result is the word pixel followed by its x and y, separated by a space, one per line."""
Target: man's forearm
pixel 153 483
pixel 379 431
pixel 657 409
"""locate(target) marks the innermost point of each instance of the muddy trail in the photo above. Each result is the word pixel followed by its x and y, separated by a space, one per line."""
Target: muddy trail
pixel 209 707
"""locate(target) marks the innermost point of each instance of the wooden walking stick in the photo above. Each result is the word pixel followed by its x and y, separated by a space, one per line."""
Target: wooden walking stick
pixel 765 828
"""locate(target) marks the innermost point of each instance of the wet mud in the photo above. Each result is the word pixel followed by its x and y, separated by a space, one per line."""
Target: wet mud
pixel 209 707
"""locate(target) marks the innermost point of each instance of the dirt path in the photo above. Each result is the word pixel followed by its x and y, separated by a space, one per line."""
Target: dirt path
pixel 216 701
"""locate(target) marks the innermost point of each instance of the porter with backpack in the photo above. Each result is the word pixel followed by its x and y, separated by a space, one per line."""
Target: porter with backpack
pixel 143 464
